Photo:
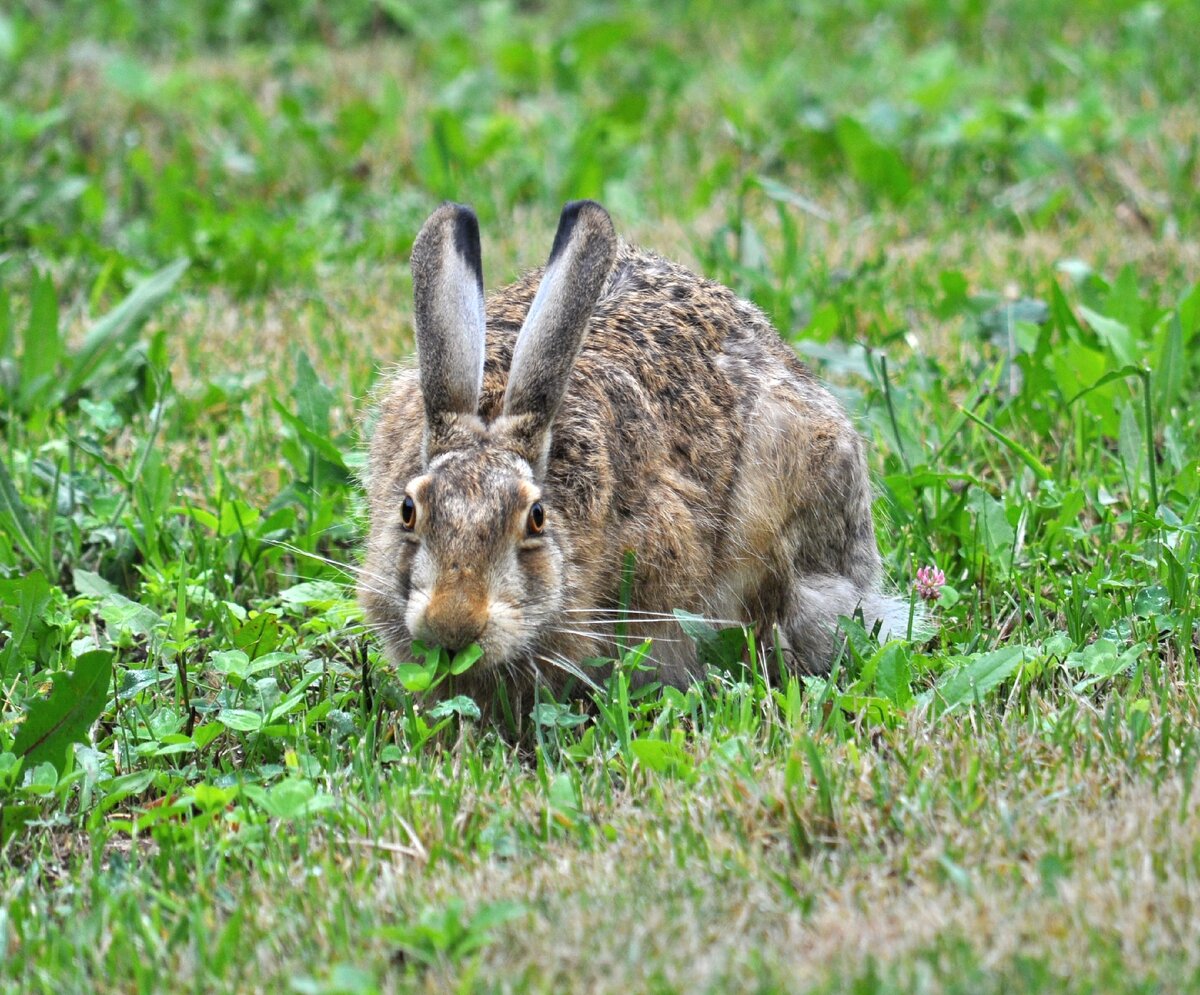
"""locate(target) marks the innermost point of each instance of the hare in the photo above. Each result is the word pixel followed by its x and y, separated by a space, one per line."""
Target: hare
pixel 611 402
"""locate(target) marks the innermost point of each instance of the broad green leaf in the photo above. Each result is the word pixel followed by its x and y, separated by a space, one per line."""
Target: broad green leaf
pixel 313 399
pixel 975 678
pixel 1076 366
pixel 233 662
pixel 876 166
pixel 42 347
pixel 240 719
pixel 416 676
pixel 1151 601
pixel 1189 314
pixel 313 592
pixel 205 734
pixel 18 523
pixel 133 682
pixel 113 333
pixel 64 717
pixel 13 818
pixel 724 649
pixel 870 708
pixel 22 602
pixel 6 325
pixel 556 714
pixel 1131 446
pixel 123 786
pixel 208 797
pixel 42 779
pixel 465 659
pixel 269 661
pixel 1116 337
pixel 562 795
pixel 294 698
pixel 115 790
pixel 117 610
pixel 90 584
pixel 663 757
pixel 290 799
pixel 102 414
pixel 459 705
pixel 995 531
pixel 321 443
pixel 10 768
pixel 1122 374
pixel 1102 660
pixel 893 674
pixel 259 635
pixel 1172 362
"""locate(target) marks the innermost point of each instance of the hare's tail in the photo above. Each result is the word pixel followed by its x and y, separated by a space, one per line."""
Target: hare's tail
pixel 817 602
pixel 898 617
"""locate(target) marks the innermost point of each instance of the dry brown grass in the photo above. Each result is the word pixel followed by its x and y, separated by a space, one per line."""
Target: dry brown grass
pixel 632 916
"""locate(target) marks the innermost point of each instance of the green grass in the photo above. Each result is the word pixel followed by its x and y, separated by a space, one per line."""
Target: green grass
pixel 976 220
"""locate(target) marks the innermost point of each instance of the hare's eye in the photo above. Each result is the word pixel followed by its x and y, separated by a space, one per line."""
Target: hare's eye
pixel 408 513
pixel 537 518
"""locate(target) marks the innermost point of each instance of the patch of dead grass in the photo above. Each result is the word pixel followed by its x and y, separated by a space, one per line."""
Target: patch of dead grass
pixel 632 915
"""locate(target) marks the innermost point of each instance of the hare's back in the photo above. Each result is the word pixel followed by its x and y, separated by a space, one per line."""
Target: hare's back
pixel 663 343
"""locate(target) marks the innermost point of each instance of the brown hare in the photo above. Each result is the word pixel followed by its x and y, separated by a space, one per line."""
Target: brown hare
pixel 611 402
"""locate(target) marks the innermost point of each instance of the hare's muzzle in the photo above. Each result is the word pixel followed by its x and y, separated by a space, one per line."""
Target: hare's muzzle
pixel 456 616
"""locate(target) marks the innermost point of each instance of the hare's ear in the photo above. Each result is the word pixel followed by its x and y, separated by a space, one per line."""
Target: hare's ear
pixel 450 322
pixel 585 246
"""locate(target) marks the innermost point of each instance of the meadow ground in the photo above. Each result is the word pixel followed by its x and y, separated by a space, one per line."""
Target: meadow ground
pixel 977 220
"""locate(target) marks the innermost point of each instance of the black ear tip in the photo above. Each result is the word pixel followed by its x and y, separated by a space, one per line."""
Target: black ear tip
pixel 574 207
pixel 465 228
pixel 462 212
pixel 572 213
pixel 464 224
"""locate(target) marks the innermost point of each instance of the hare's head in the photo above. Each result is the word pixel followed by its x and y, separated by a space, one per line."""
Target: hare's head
pixel 482 552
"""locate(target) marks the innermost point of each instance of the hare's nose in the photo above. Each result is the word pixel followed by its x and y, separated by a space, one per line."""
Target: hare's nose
pixel 454 619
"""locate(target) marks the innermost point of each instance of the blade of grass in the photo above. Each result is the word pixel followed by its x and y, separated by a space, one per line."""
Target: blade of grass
pixel 1024 455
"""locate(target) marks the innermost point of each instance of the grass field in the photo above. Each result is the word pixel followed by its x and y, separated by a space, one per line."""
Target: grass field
pixel 977 220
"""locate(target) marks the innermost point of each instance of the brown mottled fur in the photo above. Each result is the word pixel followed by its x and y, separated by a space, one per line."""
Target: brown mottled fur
pixel 690 434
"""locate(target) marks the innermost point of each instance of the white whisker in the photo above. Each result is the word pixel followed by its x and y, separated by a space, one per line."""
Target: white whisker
pixel 618 614
pixel 567 667
pixel 633 636
pixel 295 550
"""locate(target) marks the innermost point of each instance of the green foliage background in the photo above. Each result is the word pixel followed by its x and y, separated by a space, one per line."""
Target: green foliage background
pixel 975 219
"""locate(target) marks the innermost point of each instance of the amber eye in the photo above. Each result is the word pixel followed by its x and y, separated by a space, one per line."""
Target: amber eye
pixel 537 518
pixel 408 513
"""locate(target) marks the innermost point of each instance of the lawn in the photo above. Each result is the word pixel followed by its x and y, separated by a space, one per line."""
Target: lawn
pixel 975 219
